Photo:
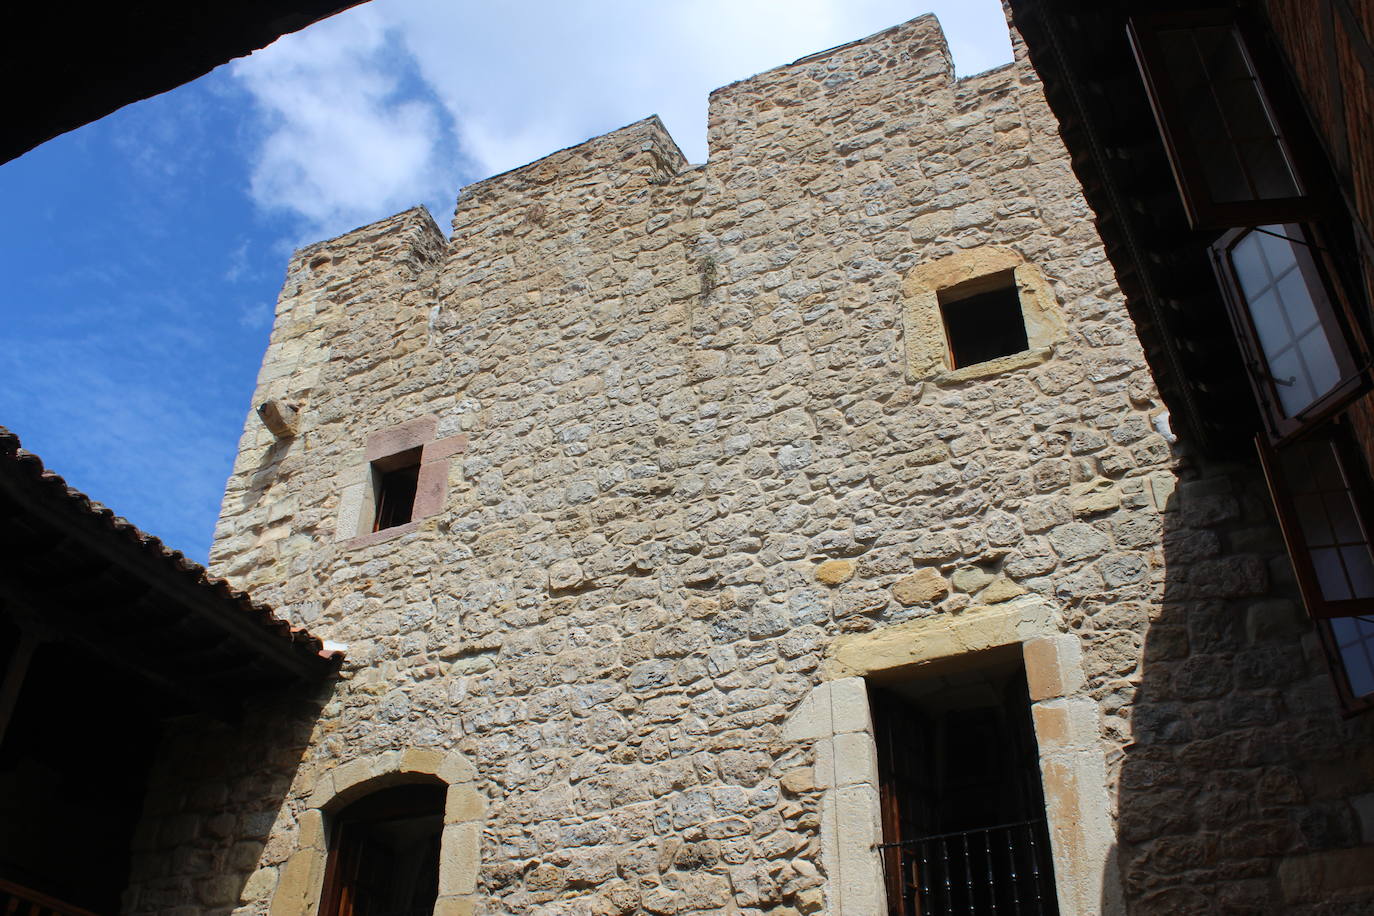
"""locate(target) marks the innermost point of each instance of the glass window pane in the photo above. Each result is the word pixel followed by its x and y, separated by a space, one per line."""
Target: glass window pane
pixel 1355 641
pixel 1344 525
pixel 1182 62
pixel 1278 251
pixel 1284 311
pixel 1326 468
pixel 1346 630
pixel 1251 270
pixel 1316 528
pixel 1221 56
pixel 1323 371
pixel 1290 378
pixel 1270 327
pixel 1269 170
pixel 1326 562
pixel 1359 569
pixel 1222 168
pixel 1297 301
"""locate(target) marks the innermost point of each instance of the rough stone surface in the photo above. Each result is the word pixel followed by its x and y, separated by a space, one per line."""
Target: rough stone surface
pixel 684 390
pixel 834 572
pixel 926 586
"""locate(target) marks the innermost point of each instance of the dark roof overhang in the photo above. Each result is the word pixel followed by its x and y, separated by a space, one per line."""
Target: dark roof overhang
pixel 1081 51
pixel 79 575
pixel 66 67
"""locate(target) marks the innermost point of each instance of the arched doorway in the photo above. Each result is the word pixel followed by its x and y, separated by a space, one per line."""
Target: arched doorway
pixel 384 853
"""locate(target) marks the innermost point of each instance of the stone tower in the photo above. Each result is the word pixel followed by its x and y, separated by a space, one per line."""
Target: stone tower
pixel 695 460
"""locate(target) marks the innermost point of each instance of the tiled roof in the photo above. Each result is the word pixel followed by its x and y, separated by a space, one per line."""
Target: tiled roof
pixel 21 465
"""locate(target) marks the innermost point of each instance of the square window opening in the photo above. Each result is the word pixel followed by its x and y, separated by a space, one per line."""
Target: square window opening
pixel 395 480
pixel 983 320
pixel 963 811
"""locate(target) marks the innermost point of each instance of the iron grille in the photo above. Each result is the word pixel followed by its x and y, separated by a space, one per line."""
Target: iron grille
pixel 1002 869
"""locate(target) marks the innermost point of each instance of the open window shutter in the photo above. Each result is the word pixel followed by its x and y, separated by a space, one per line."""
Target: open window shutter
pixel 1231 155
pixel 1303 358
pixel 1348 643
pixel 1321 495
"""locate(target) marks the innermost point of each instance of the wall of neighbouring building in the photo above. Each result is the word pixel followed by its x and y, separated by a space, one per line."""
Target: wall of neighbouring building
pixel 694 476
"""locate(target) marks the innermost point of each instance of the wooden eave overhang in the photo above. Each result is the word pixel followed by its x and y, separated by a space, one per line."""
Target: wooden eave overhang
pixel 64 67
pixel 79 575
pixel 1081 52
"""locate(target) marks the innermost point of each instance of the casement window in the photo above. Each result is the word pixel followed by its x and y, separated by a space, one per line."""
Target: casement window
pixel 1349 645
pixel 1239 151
pixel 1234 163
pixel 1322 493
pixel 1321 490
pixel 1303 358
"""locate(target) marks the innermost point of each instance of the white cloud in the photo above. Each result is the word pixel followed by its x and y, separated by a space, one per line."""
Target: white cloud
pixel 403 100
pixel 346 141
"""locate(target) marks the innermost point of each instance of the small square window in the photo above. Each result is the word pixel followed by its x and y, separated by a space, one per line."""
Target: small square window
pixel 395 480
pixel 983 320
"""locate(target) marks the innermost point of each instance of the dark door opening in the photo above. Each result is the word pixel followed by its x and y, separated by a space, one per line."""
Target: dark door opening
pixel 962 806
pixel 384 854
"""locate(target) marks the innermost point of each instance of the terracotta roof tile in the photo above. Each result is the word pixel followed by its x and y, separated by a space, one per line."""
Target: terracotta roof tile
pixel 178 564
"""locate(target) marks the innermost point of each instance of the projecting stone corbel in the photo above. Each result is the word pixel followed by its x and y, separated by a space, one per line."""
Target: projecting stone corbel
pixel 279 417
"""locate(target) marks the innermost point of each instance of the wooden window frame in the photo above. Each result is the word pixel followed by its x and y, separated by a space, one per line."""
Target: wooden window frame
pixel 1286 117
pixel 1342 332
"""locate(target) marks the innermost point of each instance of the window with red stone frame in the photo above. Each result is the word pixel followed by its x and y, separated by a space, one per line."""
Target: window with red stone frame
pixel 405 480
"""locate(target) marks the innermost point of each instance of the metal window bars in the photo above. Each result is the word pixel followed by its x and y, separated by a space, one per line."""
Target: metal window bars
pixel 1001 869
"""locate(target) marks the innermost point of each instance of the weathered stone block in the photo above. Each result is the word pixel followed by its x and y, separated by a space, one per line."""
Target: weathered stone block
pixel 925 586
pixel 1054 666
pixel 834 572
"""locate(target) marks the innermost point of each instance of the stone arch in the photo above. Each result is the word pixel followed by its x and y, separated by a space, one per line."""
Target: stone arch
pixel 302 877
pixel 835 718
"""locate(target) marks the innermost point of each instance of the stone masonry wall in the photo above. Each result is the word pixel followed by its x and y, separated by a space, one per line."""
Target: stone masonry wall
pixel 697 456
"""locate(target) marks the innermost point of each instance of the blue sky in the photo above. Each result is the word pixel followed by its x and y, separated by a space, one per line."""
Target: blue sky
pixel 143 253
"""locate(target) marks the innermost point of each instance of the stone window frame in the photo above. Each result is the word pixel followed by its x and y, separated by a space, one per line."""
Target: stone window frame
pixel 927 346
pixel 301 879
pixel 357 508
pixel 835 718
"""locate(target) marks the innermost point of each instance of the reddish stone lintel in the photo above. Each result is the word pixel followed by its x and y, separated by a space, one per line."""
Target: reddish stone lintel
pixel 435 461
pixel 447 447
pixel 393 439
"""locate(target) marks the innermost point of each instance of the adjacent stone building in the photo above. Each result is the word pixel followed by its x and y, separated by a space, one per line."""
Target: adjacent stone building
pixel 675 518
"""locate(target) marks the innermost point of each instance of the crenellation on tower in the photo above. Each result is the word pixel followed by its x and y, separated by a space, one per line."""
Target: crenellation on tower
pixel 348 303
pixel 659 504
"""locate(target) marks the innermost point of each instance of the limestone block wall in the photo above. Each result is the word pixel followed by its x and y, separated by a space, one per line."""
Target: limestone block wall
pixel 698 460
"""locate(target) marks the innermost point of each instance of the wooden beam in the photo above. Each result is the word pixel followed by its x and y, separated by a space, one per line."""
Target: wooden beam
pixel 16 669
pixel 180 590
pixel 62 629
